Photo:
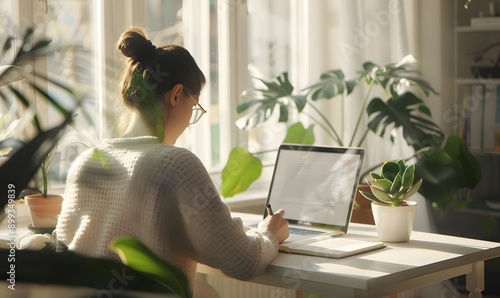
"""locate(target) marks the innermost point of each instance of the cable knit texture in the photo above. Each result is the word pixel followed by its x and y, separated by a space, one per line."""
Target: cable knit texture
pixel 163 196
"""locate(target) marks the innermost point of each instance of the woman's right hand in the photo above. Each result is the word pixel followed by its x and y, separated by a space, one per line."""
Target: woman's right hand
pixel 277 225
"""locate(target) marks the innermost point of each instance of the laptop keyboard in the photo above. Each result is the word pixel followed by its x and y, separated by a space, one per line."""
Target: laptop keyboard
pixel 304 232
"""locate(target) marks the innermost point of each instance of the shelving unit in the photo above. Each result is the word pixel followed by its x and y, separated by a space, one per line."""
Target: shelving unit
pixel 473 117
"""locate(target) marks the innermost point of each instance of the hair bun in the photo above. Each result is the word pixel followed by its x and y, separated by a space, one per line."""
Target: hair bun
pixel 133 44
pixel 145 52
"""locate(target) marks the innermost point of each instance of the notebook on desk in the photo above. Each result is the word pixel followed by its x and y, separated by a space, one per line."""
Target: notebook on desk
pixel 316 186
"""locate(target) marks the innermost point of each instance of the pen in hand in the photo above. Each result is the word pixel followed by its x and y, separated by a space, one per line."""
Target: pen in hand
pixel 269 209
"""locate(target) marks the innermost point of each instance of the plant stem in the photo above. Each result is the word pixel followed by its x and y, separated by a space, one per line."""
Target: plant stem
pixel 363 137
pixel 44 179
pixel 339 140
pixel 335 138
pixel 365 102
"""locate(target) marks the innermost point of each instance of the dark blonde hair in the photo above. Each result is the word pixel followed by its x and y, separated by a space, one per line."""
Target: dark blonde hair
pixel 151 72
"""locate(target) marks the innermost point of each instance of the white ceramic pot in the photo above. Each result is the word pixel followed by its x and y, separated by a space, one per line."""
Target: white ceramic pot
pixel 43 211
pixel 394 223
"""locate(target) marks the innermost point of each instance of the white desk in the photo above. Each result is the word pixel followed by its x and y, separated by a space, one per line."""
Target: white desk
pixel 426 259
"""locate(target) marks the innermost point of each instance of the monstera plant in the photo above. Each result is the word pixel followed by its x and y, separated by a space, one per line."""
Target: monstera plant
pixel 444 163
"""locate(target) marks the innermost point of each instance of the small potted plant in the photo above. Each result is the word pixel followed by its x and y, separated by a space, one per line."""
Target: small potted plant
pixel 44 208
pixel 390 194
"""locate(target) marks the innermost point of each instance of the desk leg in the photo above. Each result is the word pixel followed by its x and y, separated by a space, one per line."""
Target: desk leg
pixel 475 280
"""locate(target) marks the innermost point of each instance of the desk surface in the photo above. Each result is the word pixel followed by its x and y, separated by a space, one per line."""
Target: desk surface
pixel 427 258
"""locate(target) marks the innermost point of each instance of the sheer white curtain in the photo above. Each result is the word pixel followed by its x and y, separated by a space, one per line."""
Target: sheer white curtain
pixel 378 32
pixel 344 34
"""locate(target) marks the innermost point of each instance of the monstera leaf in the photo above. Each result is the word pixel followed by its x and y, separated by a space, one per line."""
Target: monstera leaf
pixel 261 103
pixel 393 76
pixel 403 111
pixel 331 84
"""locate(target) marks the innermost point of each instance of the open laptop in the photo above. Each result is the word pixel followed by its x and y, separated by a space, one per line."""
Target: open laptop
pixel 316 186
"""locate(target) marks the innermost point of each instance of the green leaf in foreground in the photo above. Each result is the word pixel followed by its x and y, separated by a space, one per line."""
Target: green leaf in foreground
pixel 137 256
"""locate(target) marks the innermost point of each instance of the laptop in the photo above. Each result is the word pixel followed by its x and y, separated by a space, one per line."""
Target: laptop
pixel 316 186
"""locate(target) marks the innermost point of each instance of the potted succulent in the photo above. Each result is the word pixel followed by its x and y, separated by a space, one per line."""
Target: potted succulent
pixel 391 191
pixel 445 163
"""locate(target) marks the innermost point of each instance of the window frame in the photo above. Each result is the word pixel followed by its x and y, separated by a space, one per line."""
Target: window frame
pixel 232 17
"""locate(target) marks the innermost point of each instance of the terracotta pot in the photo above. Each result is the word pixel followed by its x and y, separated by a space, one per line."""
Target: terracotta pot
pixel 362 211
pixel 43 211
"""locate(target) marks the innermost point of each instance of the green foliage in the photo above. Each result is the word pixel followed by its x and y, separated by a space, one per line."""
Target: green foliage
pixel 264 101
pixel 13 72
pixel 446 170
pixel 67 268
pixel 29 158
pixel 400 111
pixel 298 134
pixel 242 169
pixel 137 256
pixel 445 164
pixel 394 185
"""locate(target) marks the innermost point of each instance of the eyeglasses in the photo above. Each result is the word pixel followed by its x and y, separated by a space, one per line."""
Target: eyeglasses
pixel 198 111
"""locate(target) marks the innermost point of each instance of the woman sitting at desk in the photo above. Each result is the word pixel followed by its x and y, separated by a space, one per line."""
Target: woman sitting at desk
pixel 154 191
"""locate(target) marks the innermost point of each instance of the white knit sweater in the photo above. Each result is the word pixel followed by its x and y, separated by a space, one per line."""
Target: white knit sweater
pixel 163 196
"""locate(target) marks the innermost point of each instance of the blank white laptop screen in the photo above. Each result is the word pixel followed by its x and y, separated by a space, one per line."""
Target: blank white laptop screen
pixel 316 184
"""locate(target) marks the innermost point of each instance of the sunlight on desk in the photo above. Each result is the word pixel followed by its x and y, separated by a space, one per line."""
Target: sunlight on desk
pixel 424 260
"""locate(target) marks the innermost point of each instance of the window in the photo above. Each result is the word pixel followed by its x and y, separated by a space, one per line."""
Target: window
pixel 229 39
pixel 88 30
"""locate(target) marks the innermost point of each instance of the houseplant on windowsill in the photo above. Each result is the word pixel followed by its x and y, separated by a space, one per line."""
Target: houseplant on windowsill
pixel 445 163
pixel 44 208
pixel 391 191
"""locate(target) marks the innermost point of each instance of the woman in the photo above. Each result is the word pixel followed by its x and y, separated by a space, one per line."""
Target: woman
pixel 149 189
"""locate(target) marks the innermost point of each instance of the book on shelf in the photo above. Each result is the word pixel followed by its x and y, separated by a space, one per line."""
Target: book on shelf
pixel 474 117
pixel 490 105
pixel 485 22
pixel 479 123
pixel 497 120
